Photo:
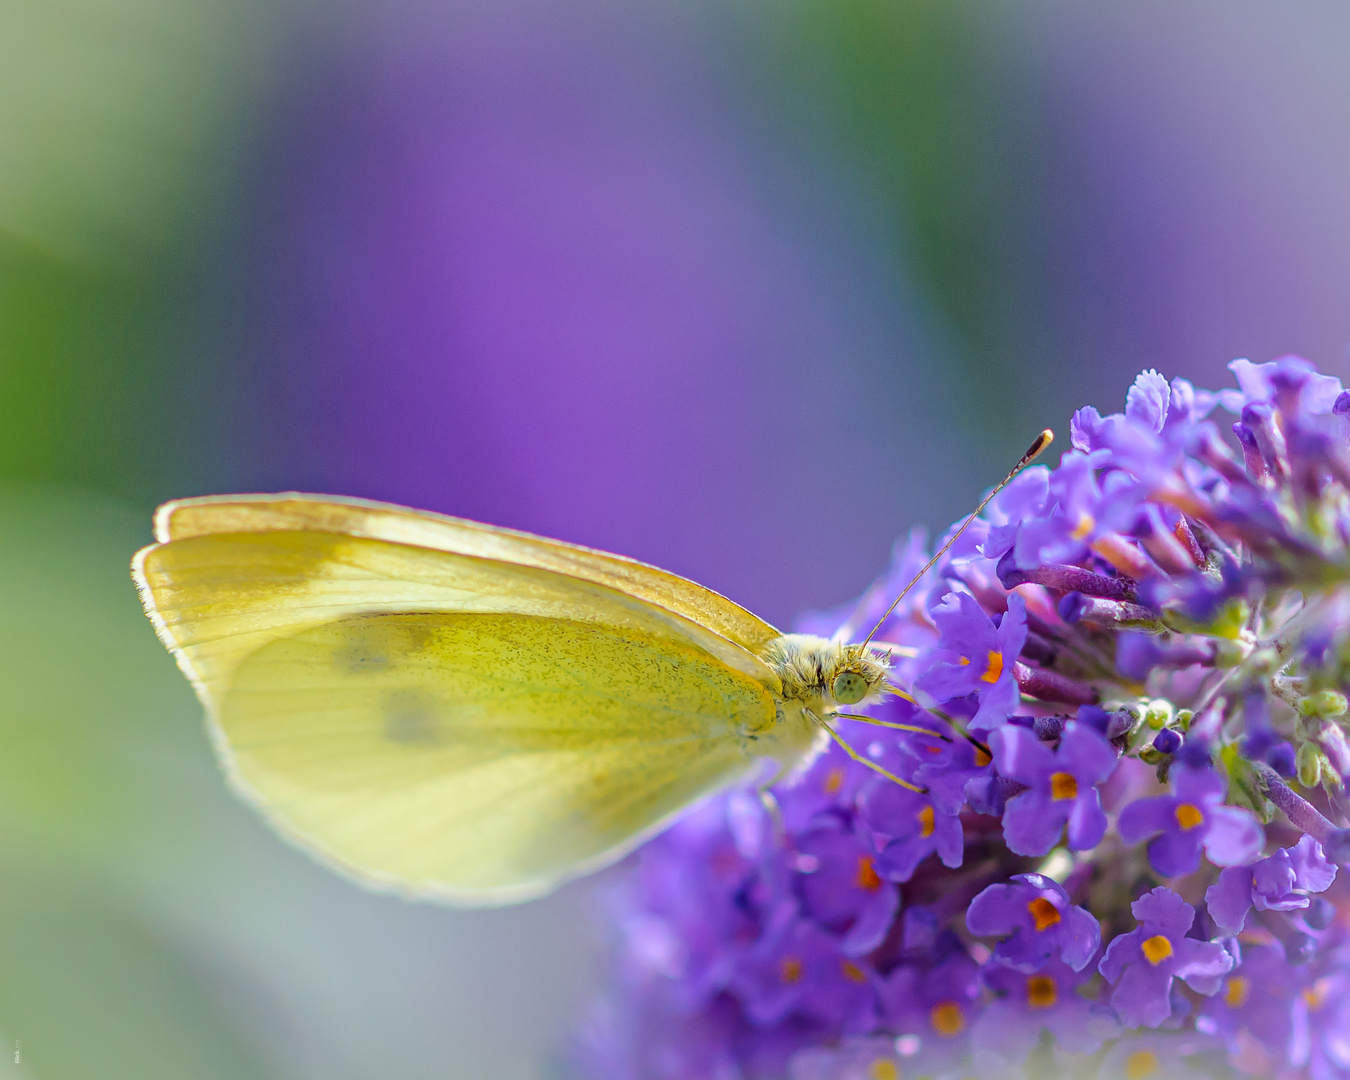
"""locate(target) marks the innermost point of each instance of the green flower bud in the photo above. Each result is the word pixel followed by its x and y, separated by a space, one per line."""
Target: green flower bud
pixel 1310 761
pixel 1324 703
pixel 1158 714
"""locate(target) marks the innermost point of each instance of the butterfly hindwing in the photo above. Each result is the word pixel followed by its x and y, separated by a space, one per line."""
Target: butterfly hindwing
pixel 482 755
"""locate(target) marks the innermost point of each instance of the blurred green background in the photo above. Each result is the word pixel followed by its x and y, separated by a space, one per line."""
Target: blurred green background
pixel 742 289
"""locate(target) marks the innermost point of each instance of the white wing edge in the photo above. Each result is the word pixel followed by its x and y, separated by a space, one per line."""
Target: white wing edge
pixel 164 514
pixel 161 628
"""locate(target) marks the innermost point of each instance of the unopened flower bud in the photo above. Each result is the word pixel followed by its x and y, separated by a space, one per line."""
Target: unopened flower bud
pixel 1324 703
pixel 1310 761
pixel 1167 741
pixel 1158 713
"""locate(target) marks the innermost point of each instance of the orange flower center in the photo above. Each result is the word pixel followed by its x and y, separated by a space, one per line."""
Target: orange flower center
pixel 867 874
pixel 883 1069
pixel 1041 992
pixel 834 780
pixel 993 669
pixel 947 1018
pixel 925 818
pixel 1063 786
pixel 1236 990
pixel 1044 912
pixel 1085 525
pixel 1140 1065
pixel 852 972
pixel 982 757
pixel 1156 949
pixel 1189 816
pixel 1316 994
pixel 790 969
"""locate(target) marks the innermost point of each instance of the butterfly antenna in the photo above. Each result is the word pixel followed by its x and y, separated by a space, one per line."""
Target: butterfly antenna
pixel 1044 439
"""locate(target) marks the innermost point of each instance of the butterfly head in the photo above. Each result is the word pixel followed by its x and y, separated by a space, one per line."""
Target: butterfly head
pixel 827 675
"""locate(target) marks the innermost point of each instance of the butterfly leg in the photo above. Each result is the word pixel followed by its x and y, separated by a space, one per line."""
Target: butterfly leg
pixel 770 803
pixel 866 761
pixel 896 727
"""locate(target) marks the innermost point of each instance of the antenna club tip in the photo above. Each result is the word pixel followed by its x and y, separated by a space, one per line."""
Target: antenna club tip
pixel 1044 439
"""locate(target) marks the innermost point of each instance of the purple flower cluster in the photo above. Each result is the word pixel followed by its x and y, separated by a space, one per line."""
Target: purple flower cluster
pixel 1130 681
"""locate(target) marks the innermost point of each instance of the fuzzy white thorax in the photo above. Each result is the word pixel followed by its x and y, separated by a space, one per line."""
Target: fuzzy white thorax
pixel 808 667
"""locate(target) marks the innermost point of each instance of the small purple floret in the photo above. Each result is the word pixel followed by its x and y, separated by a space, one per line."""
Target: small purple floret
pixel 1033 915
pixel 1281 882
pixel 977 657
pixel 1062 787
pixel 1141 964
pixel 1192 817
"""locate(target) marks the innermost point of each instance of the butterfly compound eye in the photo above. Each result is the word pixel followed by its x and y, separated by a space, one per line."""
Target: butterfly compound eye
pixel 849 688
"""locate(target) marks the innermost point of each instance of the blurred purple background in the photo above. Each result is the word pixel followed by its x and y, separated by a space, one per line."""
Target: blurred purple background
pixel 536 272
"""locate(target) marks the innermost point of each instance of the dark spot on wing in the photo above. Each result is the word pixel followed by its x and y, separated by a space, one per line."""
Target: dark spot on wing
pixel 410 720
pixel 378 639
pixel 359 657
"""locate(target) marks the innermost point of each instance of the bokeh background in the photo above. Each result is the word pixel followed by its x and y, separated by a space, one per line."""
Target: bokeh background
pixel 744 289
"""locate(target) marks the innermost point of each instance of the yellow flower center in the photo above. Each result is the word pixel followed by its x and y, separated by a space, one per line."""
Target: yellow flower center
pixel 1044 912
pixel 926 819
pixel 1085 525
pixel 867 874
pixel 1189 816
pixel 1140 1065
pixel 834 780
pixel 1235 991
pixel 947 1018
pixel 883 1069
pixel 1041 992
pixel 790 969
pixel 1156 949
pixel 852 972
pixel 993 669
pixel 1063 786
pixel 982 757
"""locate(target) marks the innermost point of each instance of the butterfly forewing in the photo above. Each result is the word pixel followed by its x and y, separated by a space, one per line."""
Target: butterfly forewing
pixel 297 512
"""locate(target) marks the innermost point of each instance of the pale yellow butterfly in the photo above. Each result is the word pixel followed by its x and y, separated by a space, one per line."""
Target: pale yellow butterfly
pixel 468 713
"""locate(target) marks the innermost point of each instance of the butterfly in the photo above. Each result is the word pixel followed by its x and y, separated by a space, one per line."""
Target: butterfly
pixel 467 713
